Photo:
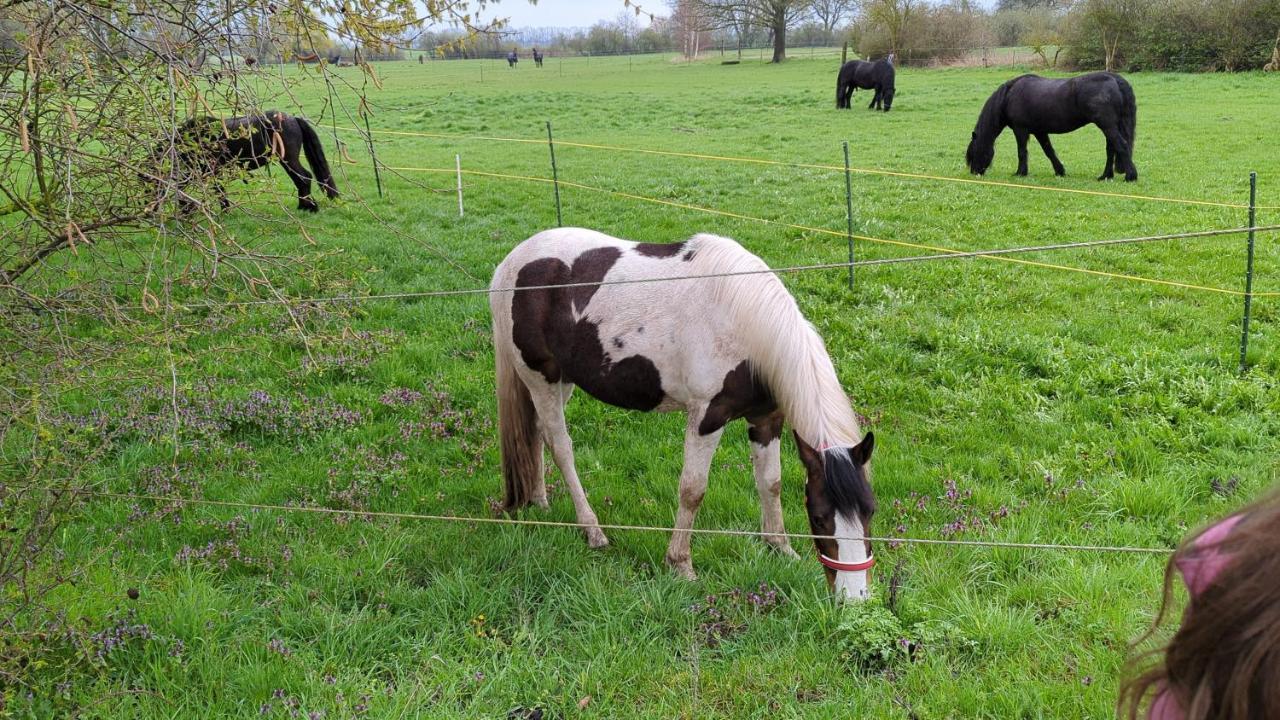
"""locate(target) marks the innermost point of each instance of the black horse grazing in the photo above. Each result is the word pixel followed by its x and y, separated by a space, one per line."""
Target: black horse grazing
pixel 207 146
pixel 878 76
pixel 1033 105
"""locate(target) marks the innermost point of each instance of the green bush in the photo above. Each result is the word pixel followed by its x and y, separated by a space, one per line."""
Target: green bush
pixel 1189 35
pixel 874 639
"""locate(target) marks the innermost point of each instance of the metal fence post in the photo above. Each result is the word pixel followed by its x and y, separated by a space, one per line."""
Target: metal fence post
pixel 555 174
pixel 848 209
pixel 1248 272
pixel 458 160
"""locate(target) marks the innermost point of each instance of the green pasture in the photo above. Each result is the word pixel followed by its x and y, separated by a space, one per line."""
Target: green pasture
pixel 1010 403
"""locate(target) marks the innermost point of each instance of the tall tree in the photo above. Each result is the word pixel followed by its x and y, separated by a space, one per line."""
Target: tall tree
pixel 776 16
pixel 893 16
pixel 830 13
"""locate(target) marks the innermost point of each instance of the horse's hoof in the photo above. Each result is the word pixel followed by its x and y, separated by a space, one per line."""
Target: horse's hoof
pixel 1131 177
pixel 1105 178
pixel 596 538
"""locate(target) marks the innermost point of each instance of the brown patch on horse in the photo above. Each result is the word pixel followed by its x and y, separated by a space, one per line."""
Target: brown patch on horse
pixel 591 267
pixel 659 250
pixel 765 430
pixel 741 395
pixel 822 512
pixel 562 349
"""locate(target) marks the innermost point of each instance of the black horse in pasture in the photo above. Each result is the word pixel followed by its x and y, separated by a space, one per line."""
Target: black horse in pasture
pixel 878 76
pixel 1033 105
pixel 206 147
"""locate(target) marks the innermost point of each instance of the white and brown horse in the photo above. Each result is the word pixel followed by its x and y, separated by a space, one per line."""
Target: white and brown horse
pixel 718 348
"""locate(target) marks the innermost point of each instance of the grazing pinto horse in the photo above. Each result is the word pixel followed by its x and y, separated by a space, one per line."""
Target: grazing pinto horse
pixel 878 76
pixel 719 348
pixel 207 145
pixel 1033 105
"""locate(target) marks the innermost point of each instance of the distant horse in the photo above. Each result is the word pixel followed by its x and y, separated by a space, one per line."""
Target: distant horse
pixel 1033 105
pixel 207 146
pixel 537 58
pixel 512 59
pixel 719 348
pixel 878 76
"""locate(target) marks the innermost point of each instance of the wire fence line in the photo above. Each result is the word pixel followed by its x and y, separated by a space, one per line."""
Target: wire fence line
pixel 818 166
pixel 996 253
pixel 1137 550
pixel 942 252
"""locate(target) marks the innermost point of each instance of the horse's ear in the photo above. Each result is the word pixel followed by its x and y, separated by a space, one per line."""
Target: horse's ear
pixel 861 453
pixel 973 135
pixel 809 456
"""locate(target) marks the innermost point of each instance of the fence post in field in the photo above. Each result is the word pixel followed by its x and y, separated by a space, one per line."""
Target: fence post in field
pixel 844 53
pixel 1248 272
pixel 377 176
pixel 458 160
pixel 555 174
pixel 848 209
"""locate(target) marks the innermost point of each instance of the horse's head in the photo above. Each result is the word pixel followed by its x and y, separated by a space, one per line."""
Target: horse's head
pixel 840 503
pixel 979 155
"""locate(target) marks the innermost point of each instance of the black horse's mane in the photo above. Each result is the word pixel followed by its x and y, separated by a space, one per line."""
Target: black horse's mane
pixel 848 486
pixel 991 119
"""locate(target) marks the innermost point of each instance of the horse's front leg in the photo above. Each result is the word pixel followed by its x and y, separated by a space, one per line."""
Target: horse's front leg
pixel 1047 147
pixel 766 460
pixel 1021 136
pixel 875 100
pixel 698 451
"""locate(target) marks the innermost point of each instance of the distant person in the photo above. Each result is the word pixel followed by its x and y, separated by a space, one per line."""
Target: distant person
pixel 512 58
pixel 1224 660
pixel 537 58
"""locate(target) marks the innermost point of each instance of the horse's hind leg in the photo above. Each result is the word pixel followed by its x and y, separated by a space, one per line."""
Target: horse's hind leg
pixel 1047 147
pixel 698 450
pixel 549 401
pixel 300 177
pixel 766 460
pixel 1108 172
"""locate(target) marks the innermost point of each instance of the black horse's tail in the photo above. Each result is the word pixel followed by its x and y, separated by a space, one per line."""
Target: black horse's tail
pixel 1128 113
pixel 315 157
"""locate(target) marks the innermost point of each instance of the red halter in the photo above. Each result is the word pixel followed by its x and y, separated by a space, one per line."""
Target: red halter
pixel 847 566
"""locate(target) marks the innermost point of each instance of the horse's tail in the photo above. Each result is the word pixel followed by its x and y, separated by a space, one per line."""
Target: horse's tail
pixel 1128 113
pixel 518 428
pixel 315 157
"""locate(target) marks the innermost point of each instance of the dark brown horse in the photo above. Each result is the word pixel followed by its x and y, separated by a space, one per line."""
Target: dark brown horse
pixel 207 147
pixel 879 76
pixel 1033 105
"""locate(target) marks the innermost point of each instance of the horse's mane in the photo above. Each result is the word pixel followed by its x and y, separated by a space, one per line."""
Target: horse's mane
pixel 848 486
pixel 991 119
pixel 783 348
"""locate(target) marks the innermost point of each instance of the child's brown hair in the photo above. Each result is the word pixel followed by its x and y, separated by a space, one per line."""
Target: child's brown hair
pixel 1224 660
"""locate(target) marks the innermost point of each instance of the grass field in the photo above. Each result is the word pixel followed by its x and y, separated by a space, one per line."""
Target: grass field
pixel 1010 403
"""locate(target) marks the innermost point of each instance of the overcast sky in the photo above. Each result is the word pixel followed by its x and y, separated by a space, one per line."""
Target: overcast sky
pixel 581 13
pixel 568 13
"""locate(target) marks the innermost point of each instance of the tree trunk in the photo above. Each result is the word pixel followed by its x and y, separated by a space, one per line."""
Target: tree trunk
pixel 779 22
